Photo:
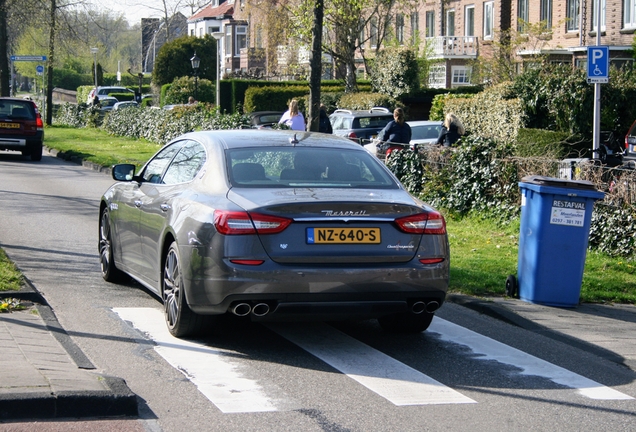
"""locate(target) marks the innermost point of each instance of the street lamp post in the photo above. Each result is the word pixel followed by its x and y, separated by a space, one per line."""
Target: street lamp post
pixel 218 36
pixel 196 61
pixel 94 51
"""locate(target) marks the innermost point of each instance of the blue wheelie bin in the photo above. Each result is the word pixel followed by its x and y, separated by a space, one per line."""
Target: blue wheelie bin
pixel 555 227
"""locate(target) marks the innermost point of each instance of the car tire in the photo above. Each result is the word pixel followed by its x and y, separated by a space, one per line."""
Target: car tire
pixel 110 272
pixel 36 153
pixel 406 322
pixel 179 317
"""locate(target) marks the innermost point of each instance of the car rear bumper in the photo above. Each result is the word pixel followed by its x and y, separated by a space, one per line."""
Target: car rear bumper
pixel 305 291
pixel 21 142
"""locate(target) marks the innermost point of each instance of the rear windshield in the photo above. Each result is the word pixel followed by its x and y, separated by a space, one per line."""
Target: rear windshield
pixel 281 167
pixel 371 122
pixel 16 110
pixel 425 132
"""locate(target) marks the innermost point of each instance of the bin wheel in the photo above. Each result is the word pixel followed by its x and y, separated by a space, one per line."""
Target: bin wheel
pixel 511 286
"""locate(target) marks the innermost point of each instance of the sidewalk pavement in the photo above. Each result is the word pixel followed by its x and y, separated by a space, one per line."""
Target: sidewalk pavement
pixel 45 375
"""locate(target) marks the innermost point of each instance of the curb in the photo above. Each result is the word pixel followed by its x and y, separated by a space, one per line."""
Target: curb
pixel 117 401
pixel 77 160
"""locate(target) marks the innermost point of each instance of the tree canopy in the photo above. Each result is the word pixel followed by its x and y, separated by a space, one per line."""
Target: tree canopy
pixel 173 59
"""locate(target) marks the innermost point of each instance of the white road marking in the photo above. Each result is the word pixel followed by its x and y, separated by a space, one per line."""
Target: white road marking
pixel 490 349
pixel 398 383
pixel 212 370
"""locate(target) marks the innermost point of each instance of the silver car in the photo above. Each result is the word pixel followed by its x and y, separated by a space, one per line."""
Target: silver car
pixel 424 132
pixel 274 225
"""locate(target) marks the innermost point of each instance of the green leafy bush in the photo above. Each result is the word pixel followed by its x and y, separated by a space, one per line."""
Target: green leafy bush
pixel 365 101
pixel 395 72
pixel 273 98
pixel 182 88
pixel 545 143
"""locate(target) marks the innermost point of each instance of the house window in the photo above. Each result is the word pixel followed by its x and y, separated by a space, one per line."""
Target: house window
pixel 213 30
pixel 469 20
pixel 430 24
pixel 522 15
pixel 572 15
pixel 489 10
pixel 201 31
pixel 545 13
pixel 629 13
pixel 399 28
pixel 228 41
pixel 460 75
pixel 594 15
pixel 241 39
pixel 437 76
pixel 415 25
pixel 373 36
pixel 450 22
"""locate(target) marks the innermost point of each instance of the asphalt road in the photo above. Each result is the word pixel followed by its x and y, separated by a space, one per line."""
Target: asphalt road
pixel 468 372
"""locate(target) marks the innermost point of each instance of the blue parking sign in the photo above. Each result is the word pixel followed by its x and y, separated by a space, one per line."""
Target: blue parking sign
pixel 597 64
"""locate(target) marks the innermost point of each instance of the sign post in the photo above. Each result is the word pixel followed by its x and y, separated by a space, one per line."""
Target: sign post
pixel 15 58
pixel 597 73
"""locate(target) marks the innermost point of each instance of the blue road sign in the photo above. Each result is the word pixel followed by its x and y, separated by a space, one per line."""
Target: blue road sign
pixel 28 58
pixel 39 69
pixel 597 64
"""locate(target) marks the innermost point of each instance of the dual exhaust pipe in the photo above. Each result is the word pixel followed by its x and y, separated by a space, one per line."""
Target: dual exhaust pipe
pixel 420 307
pixel 244 309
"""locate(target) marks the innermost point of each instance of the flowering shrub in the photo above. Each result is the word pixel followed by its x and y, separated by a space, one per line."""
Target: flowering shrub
pixel 156 125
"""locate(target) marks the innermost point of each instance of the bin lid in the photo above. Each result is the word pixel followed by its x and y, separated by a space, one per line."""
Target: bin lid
pixel 557 182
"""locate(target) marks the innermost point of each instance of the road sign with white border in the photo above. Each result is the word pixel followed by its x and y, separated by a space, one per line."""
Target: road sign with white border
pixel 598 64
pixel 28 58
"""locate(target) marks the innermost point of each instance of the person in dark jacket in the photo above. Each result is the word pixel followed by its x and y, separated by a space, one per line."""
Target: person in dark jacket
pixel 396 131
pixel 324 124
pixel 451 132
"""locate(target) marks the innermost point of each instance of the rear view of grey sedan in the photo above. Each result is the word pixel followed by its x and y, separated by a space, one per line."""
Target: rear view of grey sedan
pixel 274 225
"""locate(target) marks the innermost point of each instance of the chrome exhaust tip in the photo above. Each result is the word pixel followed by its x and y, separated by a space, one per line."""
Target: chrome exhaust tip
pixel 260 309
pixel 241 309
pixel 418 307
pixel 432 306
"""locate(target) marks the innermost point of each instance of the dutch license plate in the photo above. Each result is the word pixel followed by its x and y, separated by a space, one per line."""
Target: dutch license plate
pixel 343 235
pixel 10 125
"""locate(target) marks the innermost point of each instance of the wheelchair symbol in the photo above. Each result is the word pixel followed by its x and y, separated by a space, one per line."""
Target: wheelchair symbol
pixel 597 71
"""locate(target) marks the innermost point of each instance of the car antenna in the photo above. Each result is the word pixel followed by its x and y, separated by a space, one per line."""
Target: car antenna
pixel 294 140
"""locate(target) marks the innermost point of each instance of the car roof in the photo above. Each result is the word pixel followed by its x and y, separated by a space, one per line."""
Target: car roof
pixel 424 123
pixel 243 138
pixel 373 112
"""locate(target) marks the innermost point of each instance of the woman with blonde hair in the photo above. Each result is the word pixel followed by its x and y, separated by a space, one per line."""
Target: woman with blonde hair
pixel 452 130
pixel 292 117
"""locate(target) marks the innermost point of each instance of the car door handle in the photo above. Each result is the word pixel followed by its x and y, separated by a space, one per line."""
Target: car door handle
pixel 138 203
pixel 165 207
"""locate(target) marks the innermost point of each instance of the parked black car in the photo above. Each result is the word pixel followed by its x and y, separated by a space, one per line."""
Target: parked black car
pixel 21 127
pixel 360 126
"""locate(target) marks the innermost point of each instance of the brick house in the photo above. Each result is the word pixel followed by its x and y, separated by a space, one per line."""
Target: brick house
pixel 456 32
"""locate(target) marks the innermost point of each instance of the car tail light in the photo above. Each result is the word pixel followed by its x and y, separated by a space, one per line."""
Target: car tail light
pixel 431 260
pixel 239 222
pixel 38 121
pixel 352 135
pixel 247 262
pixel 430 222
pixel 626 142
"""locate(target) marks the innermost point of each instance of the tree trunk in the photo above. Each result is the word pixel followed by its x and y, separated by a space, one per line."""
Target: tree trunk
pixel 49 71
pixel 316 68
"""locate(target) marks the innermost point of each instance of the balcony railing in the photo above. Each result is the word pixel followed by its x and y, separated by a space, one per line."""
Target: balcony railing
pixel 453 46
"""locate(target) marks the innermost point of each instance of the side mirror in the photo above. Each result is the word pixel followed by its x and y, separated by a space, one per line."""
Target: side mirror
pixel 123 172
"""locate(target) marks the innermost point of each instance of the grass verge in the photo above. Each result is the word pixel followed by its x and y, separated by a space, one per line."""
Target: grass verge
pixel 483 254
pixel 10 277
pixel 99 147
